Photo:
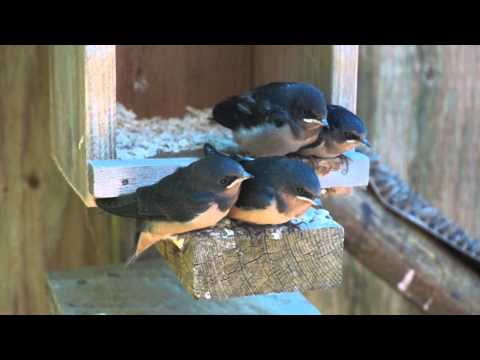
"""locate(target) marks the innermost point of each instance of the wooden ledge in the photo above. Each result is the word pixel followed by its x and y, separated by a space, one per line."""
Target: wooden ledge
pixel 112 178
pixel 234 259
pixel 151 288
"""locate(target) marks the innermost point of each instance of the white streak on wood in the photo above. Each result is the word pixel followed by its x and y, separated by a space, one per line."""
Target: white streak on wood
pixel 427 305
pixel 406 281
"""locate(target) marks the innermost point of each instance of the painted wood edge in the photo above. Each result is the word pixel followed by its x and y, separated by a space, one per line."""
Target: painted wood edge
pixel 112 178
pixel 345 76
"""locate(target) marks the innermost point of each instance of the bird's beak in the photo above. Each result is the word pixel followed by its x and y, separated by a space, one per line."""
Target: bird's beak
pixel 303 198
pixel 365 142
pixel 245 176
pixel 323 122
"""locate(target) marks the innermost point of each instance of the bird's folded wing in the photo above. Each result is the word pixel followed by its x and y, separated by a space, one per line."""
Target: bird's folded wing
pixel 125 205
pixel 255 195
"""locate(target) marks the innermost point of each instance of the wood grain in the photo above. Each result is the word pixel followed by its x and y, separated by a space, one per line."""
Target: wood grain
pixel 43 224
pixel 240 260
pixel 425 100
pixel 151 288
pixel 420 104
pixel 82 108
pixel 163 79
pixel 362 293
pixel 434 277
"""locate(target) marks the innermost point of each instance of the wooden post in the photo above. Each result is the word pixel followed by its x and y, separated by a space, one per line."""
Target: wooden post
pixel 43 224
pixel 423 270
pixel 234 259
pixel 82 106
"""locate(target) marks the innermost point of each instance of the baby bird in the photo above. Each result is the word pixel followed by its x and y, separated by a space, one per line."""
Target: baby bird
pixel 194 197
pixel 274 119
pixel 345 132
pixel 281 189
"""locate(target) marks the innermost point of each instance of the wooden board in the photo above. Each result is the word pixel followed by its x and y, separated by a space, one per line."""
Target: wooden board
pixel 333 68
pixel 161 80
pixel 362 293
pixel 235 259
pixel 112 178
pixel 82 110
pixel 424 99
pixel 44 226
pixel 151 288
pixel 423 270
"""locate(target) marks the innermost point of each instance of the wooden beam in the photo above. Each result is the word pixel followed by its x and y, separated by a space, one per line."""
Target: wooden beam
pixel 82 110
pixel 421 268
pixel 112 178
pixel 235 259
pixel 151 288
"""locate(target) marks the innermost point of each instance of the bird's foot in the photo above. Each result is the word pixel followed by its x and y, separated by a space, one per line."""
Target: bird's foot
pixel 295 225
pixel 179 243
pixel 344 162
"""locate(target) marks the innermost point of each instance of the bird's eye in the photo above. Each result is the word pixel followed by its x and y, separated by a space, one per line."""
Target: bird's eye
pixel 227 180
pixel 301 191
pixel 350 136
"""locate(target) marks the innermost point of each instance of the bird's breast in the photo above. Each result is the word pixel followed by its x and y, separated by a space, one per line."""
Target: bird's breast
pixel 204 220
pixel 267 216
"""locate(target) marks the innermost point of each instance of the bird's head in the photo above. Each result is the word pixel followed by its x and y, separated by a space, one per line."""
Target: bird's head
pixel 311 107
pixel 218 173
pixel 293 178
pixel 347 127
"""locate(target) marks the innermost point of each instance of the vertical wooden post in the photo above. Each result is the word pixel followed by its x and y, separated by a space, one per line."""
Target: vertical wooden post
pixel 82 106
pixel 43 225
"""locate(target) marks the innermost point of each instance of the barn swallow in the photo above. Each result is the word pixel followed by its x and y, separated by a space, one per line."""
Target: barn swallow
pixel 281 190
pixel 274 119
pixel 193 197
pixel 345 132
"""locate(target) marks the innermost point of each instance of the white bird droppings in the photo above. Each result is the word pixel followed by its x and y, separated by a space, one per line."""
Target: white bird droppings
pixel 406 281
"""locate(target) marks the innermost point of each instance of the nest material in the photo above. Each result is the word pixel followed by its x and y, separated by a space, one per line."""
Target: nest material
pixel 148 138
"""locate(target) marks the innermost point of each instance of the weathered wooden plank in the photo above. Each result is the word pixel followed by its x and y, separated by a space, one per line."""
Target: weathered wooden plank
pixel 333 68
pixel 235 259
pixel 420 104
pixel 362 293
pixel 82 110
pixel 422 269
pixel 151 288
pixel 161 80
pixel 44 225
pixel 112 178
